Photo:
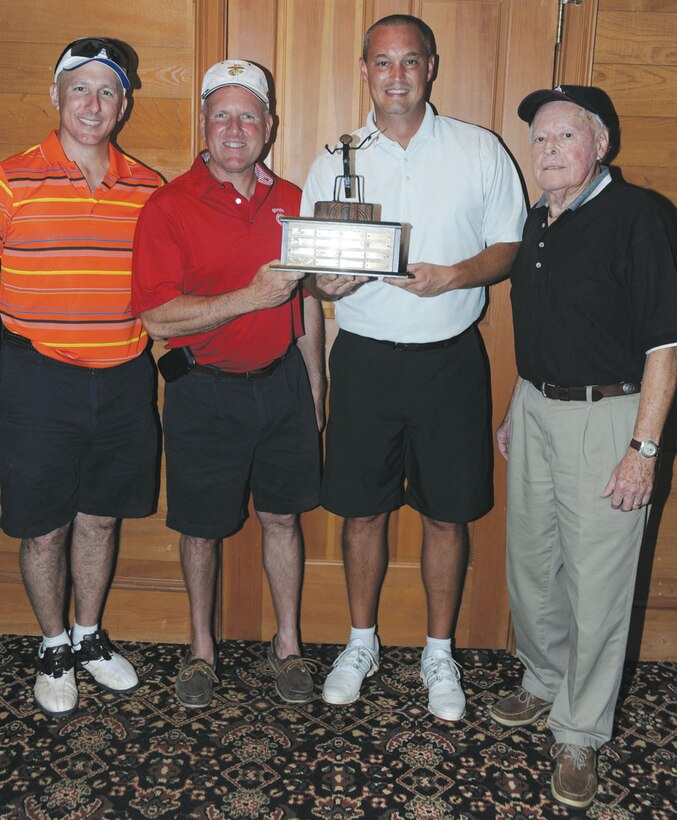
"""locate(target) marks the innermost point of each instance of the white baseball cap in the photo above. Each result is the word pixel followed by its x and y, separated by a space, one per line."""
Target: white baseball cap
pixel 236 72
pixel 98 49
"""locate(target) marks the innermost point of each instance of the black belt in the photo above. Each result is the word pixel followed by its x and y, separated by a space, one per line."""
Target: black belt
pixel 16 340
pixel 252 375
pixel 419 345
pixel 597 391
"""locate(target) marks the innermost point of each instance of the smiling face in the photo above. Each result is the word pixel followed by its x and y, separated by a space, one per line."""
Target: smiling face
pixel 566 145
pixel 90 102
pixel 397 70
pixel 235 126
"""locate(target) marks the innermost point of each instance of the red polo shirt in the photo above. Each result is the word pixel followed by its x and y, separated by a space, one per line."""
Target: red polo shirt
pixel 198 235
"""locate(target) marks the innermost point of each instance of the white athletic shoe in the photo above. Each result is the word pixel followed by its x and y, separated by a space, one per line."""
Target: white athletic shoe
pixel 96 655
pixel 352 666
pixel 56 691
pixel 442 675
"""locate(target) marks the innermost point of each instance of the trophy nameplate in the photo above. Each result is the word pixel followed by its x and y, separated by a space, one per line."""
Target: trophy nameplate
pixel 344 237
pixel 341 247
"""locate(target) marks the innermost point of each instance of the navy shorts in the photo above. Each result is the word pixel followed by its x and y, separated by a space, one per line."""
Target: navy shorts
pixel 408 427
pixel 75 439
pixel 226 436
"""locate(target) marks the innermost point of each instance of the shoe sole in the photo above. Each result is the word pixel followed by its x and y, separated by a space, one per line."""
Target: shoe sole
pixel 56 714
pixel 568 801
pixel 520 721
pixel 193 705
pixel 371 672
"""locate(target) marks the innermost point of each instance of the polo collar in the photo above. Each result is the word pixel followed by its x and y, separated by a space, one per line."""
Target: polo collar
pixel 52 151
pixel 595 187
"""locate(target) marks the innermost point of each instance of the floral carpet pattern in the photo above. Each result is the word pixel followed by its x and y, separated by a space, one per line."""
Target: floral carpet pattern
pixel 249 755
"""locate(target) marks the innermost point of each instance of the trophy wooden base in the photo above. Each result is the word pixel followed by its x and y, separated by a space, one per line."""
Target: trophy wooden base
pixel 345 211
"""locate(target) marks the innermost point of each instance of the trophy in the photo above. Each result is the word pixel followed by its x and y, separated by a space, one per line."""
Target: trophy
pixel 344 237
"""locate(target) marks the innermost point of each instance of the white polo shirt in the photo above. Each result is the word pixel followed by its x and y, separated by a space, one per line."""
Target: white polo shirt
pixel 458 190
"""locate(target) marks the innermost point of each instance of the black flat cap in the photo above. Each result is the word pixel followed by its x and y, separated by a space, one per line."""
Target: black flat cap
pixel 587 96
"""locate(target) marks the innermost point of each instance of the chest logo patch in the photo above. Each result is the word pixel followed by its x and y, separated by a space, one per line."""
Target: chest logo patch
pixel 279 213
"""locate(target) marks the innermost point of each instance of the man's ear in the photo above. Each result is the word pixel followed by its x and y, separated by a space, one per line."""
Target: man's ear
pixel 54 95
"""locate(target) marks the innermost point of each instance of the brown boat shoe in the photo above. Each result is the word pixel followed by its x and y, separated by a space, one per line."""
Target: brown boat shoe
pixel 574 781
pixel 293 679
pixel 520 708
pixel 195 682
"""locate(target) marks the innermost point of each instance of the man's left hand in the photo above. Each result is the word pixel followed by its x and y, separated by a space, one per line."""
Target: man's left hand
pixel 631 482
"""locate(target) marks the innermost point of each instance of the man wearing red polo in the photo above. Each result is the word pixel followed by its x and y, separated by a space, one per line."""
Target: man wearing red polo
pixel 239 413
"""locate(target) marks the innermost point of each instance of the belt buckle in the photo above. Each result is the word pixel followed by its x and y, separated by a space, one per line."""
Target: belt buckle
pixel 543 386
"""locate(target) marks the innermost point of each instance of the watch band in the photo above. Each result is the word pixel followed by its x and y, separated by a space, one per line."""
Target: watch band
pixel 648 448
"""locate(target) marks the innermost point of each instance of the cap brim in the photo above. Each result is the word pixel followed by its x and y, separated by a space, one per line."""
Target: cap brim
pixel 71 66
pixel 205 94
pixel 532 102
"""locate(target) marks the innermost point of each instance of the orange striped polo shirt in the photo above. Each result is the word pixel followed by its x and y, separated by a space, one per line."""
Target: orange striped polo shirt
pixel 66 254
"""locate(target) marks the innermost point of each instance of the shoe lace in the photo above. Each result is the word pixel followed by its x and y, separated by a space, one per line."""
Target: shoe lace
pixel 574 752
pixel 55 661
pixel 357 656
pixel 525 697
pixel 296 662
pixel 95 647
pixel 198 667
pixel 438 668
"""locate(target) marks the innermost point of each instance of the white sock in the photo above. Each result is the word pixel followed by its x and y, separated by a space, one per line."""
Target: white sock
pixel 57 640
pixel 367 636
pixel 78 632
pixel 436 645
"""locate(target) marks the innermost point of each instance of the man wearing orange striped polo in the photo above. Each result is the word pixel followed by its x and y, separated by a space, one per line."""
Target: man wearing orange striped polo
pixel 78 426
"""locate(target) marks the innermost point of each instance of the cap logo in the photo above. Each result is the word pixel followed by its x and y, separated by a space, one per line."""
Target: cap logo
pixel 236 69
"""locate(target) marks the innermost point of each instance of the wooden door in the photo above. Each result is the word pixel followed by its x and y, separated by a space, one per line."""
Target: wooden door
pixel 629 51
pixel 492 53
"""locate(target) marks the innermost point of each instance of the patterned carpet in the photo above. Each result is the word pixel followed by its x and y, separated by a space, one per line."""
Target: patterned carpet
pixel 251 756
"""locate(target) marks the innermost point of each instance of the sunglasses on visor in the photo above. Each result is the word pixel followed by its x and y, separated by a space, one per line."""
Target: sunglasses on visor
pixel 90 47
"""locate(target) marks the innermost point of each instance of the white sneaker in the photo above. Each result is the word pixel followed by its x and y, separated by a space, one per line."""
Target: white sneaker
pixel 96 655
pixel 442 675
pixel 352 666
pixel 56 691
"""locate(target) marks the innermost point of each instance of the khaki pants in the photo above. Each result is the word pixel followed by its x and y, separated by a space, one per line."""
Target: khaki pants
pixel 572 559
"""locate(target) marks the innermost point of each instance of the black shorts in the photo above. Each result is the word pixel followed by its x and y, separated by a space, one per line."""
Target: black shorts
pixel 75 439
pixel 408 427
pixel 225 436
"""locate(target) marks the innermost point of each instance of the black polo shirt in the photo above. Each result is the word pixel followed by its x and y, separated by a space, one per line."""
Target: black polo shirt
pixel 595 290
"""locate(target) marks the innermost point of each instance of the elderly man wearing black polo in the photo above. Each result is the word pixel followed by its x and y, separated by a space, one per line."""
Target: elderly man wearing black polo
pixel 594 296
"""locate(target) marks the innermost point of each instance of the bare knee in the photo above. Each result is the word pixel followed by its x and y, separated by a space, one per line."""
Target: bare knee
pixel 54 540
pixel 272 521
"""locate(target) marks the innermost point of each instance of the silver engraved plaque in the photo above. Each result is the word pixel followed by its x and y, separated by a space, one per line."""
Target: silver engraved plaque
pixel 341 247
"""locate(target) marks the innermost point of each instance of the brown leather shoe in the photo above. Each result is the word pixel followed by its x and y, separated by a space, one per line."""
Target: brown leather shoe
pixel 195 682
pixel 521 708
pixel 293 680
pixel 574 781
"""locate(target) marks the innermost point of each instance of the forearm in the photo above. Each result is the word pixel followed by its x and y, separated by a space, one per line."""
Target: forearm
pixel 487 267
pixel 658 390
pixel 311 344
pixel 188 314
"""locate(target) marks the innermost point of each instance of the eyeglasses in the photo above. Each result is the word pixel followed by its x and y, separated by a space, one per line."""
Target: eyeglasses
pixel 91 47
